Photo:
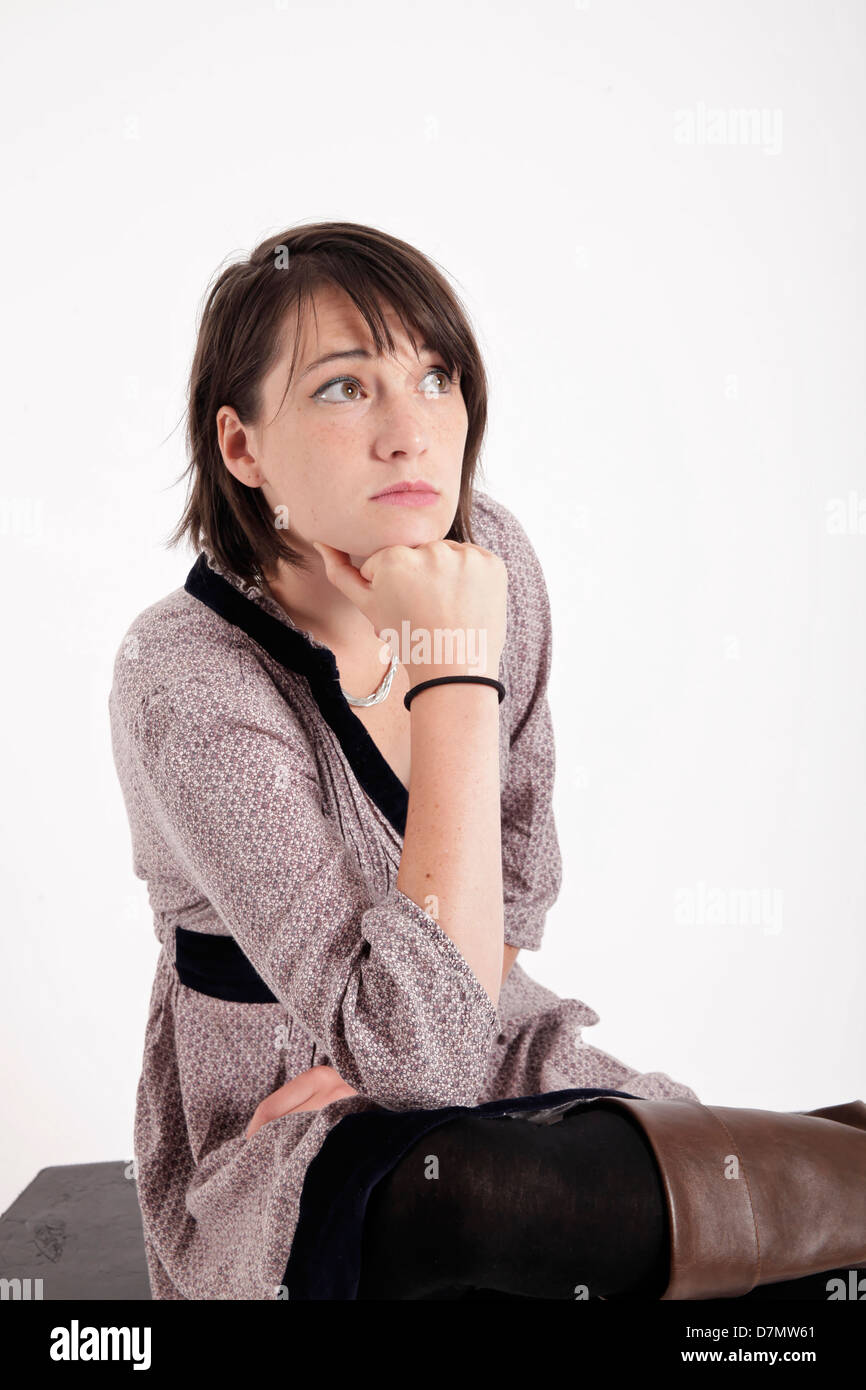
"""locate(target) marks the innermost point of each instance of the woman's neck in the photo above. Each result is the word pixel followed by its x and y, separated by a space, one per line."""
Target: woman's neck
pixel 316 606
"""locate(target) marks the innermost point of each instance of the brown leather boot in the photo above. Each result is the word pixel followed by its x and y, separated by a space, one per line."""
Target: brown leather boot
pixel 754 1196
pixel 850 1112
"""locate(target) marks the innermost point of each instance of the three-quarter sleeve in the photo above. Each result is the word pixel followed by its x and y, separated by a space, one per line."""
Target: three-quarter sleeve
pixel 232 783
pixel 531 859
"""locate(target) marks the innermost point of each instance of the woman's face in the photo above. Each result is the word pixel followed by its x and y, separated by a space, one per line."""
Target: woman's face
pixel 347 429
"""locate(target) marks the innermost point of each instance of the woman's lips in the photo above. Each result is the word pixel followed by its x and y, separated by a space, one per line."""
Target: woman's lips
pixel 407 499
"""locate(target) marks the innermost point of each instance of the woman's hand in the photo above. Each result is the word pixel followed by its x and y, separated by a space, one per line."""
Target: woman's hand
pixel 441 586
pixel 311 1090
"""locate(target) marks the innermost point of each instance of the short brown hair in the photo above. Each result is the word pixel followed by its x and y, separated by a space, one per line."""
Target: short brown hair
pixel 240 336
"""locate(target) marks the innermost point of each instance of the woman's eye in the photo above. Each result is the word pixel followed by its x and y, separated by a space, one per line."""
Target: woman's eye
pixel 339 381
pixel 439 371
pixel 352 385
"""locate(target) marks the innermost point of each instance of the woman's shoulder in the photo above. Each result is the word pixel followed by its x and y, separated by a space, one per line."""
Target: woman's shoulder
pixel 178 649
pixel 497 528
pixel 175 636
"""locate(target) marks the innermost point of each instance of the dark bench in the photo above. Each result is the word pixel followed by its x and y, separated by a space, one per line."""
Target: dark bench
pixel 78 1230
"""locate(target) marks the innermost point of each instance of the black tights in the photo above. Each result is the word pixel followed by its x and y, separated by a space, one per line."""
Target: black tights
pixel 488 1206
pixel 568 1210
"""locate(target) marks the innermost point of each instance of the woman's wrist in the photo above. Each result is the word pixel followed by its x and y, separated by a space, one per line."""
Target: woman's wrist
pixel 439 681
pixel 419 672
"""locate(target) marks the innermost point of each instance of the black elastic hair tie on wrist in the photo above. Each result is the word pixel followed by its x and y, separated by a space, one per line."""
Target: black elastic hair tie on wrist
pixel 444 680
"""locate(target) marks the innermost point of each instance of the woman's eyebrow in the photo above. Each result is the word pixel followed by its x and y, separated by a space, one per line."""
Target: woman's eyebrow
pixel 346 352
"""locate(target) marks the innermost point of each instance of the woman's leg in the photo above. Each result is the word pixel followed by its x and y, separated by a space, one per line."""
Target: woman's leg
pixel 569 1210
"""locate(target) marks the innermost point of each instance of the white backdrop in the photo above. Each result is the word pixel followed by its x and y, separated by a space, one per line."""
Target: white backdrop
pixel 654 214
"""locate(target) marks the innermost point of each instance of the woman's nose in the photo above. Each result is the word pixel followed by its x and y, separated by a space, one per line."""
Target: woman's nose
pixel 400 432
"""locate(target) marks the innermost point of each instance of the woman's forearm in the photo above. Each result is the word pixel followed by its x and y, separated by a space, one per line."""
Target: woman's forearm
pixel 452 849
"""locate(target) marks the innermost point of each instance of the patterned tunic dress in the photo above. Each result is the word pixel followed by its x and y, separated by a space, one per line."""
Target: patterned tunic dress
pixel 269 828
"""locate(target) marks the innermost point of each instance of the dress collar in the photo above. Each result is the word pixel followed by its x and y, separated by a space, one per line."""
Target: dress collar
pixel 261 618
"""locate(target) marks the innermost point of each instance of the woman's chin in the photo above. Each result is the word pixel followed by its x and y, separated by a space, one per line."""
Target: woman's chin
pixel 412 541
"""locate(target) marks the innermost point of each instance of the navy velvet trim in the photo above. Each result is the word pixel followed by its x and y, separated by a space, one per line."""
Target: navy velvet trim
pixel 292 650
pixel 217 966
pixel 361 1149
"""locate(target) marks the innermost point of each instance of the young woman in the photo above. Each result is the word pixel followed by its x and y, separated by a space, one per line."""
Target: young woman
pixel 351 1088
